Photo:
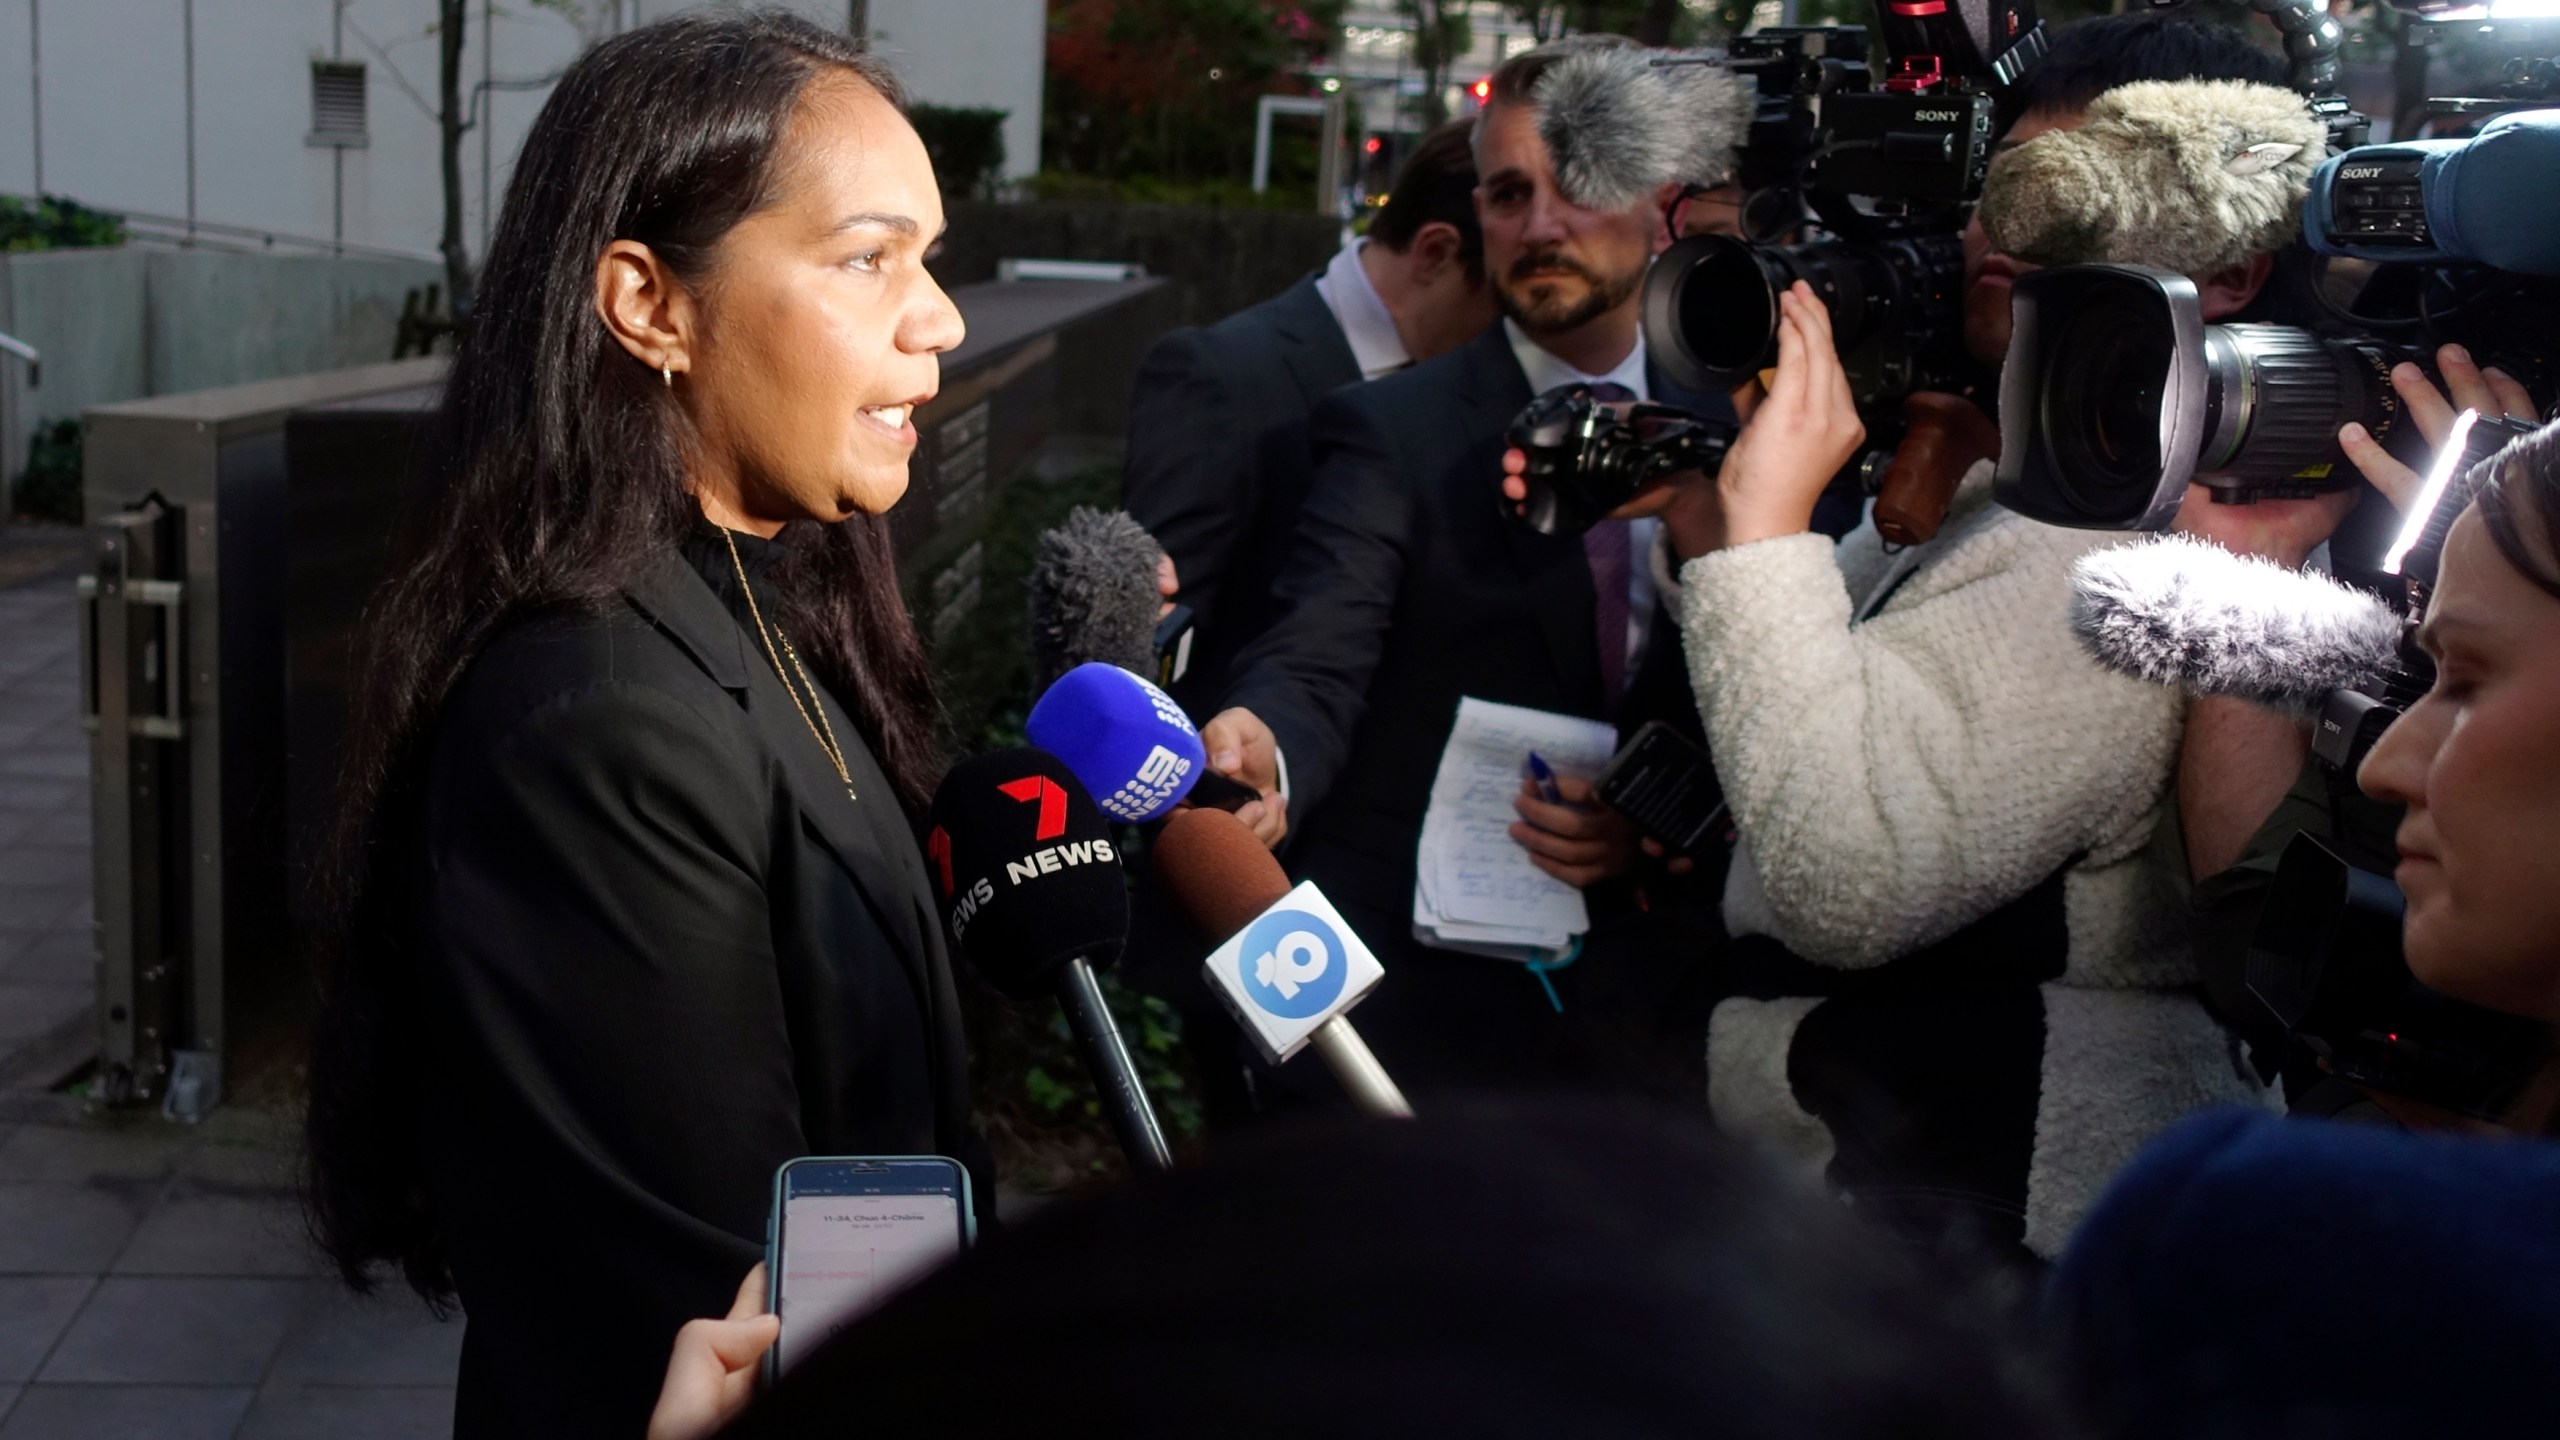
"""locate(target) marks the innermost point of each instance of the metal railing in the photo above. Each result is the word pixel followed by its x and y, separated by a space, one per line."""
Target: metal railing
pixel 178 230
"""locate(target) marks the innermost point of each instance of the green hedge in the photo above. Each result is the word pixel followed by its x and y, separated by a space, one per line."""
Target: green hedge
pixel 49 488
pixel 53 223
pixel 967 147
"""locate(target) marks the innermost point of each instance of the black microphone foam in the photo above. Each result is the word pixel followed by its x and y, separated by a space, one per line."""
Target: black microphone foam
pixel 1094 596
pixel 1025 867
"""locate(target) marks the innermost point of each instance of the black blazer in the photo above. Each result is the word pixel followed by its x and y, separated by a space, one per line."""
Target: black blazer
pixel 663 953
pixel 1218 464
pixel 1407 588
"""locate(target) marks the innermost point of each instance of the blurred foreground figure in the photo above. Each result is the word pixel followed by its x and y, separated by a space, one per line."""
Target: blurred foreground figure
pixel 1547 1269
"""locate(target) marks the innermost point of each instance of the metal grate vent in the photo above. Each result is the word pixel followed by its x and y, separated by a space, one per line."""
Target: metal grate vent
pixel 337 103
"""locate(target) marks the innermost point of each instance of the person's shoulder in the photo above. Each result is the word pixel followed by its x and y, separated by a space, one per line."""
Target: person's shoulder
pixel 1257 331
pixel 607 668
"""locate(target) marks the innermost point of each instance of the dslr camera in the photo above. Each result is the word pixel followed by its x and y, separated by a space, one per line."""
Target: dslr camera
pixel 2117 395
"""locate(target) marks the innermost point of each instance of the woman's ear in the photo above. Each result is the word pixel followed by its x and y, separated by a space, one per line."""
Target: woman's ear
pixel 644 306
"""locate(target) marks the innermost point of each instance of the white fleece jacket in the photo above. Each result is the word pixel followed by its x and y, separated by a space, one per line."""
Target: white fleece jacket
pixel 1896 779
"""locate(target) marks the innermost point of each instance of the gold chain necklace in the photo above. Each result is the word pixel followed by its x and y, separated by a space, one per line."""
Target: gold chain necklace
pixel 820 729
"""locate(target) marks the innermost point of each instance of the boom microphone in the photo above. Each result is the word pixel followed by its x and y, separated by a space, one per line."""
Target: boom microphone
pixel 2186 612
pixel 1094 596
pixel 1288 966
pixel 1035 898
pixel 2193 176
pixel 1620 125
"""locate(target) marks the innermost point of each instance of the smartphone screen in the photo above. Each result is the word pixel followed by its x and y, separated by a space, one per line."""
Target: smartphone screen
pixel 849 1233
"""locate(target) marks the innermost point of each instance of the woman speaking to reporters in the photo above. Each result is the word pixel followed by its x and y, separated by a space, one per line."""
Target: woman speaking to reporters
pixel 625 905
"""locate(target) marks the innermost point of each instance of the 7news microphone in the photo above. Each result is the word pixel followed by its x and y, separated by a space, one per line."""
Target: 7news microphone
pixel 1034 896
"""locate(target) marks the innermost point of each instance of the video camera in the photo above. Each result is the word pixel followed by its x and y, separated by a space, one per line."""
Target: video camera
pixel 2117 395
pixel 1888 170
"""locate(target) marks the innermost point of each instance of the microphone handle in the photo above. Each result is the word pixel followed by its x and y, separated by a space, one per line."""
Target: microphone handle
pixel 1361 1075
pixel 1106 1059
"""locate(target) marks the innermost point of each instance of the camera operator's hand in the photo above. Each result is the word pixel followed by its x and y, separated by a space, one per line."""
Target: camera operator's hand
pixel 1580 842
pixel 712 1373
pixel 2490 391
pixel 1242 748
pixel 1794 440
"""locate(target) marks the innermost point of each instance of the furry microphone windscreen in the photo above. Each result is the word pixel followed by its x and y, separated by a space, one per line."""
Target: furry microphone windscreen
pixel 2187 175
pixel 2186 612
pixel 1618 126
pixel 1093 595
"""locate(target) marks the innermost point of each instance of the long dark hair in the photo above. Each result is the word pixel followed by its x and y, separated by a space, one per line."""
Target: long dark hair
pixel 564 477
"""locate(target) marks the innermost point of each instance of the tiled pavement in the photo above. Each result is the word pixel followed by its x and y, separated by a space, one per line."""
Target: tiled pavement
pixel 154 1278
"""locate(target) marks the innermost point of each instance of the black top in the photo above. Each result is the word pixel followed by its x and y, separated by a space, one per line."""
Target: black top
pixel 663 953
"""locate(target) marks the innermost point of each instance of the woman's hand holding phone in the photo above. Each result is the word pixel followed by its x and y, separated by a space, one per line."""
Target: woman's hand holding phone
pixel 712 1374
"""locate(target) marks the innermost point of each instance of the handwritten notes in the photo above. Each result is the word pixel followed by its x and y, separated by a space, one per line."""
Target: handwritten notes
pixel 1476 890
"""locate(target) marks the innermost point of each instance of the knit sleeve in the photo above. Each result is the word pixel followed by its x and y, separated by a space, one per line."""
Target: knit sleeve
pixel 1896 780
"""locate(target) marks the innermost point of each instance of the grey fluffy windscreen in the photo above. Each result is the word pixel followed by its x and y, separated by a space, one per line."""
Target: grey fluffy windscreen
pixel 2186 612
pixel 1093 595
pixel 1618 125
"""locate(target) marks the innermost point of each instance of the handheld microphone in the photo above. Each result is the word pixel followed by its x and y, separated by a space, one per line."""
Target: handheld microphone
pixel 1125 739
pixel 1288 967
pixel 1035 898
pixel 1094 598
pixel 2186 612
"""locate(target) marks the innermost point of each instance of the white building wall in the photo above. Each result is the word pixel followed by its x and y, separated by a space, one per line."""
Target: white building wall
pixel 114 87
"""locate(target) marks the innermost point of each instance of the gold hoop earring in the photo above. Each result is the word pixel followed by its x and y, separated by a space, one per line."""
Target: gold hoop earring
pixel 667 372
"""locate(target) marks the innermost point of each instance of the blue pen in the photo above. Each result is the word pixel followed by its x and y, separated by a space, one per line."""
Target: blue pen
pixel 1538 770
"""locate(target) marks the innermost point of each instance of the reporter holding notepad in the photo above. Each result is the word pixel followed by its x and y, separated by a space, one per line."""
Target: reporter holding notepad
pixel 625 902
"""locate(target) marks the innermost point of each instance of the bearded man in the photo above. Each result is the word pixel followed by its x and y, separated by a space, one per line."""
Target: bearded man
pixel 1407 589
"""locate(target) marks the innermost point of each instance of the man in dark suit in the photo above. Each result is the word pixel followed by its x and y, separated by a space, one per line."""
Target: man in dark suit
pixel 1217 431
pixel 1407 589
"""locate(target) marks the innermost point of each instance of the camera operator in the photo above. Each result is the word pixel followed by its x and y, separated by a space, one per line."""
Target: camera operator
pixel 2238 761
pixel 2230 1271
pixel 1959 980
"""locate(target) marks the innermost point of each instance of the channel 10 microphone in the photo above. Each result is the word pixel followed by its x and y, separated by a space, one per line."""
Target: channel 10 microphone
pixel 1288 967
pixel 1034 896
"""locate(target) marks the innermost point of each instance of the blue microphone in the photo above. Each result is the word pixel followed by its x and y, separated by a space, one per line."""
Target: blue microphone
pixel 1127 741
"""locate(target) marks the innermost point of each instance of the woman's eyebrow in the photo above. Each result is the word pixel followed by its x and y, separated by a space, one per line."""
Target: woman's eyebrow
pixel 904 225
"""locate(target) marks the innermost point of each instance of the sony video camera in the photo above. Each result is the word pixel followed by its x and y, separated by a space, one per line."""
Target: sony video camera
pixel 2117 394
pixel 1888 170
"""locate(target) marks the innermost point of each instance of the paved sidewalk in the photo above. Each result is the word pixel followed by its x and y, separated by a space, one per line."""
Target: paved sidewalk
pixel 154 1277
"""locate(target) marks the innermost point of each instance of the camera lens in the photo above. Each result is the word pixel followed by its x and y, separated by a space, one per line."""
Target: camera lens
pixel 2101 403
pixel 2279 396
pixel 1711 309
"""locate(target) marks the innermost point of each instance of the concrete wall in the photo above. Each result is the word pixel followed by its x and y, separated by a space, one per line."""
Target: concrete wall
pixel 115 99
pixel 124 323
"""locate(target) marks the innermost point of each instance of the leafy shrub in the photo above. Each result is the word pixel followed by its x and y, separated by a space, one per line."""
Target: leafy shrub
pixel 967 146
pixel 53 223
pixel 49 488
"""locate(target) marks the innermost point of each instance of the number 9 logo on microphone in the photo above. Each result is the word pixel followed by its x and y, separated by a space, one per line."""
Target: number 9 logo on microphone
pixel 1291 963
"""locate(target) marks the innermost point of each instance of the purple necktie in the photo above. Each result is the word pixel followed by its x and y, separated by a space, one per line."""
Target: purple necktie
pixel 1605 546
